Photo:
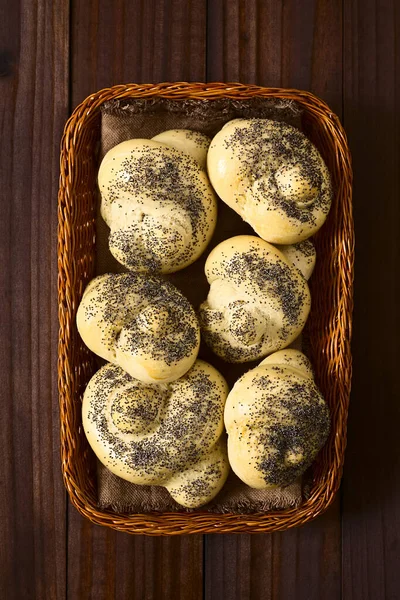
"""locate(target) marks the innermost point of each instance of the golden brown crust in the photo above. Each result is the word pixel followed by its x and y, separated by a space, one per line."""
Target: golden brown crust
pixel 159 205
pixel 160 434
pixel 273 176
pixel 302 255
pixel 277 421
pixel 142 323
pixel 258 301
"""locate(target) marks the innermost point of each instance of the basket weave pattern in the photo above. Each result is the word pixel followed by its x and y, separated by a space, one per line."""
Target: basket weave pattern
pixel 329 324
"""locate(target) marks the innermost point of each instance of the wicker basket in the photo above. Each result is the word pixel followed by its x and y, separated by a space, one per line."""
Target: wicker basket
pixel 329 323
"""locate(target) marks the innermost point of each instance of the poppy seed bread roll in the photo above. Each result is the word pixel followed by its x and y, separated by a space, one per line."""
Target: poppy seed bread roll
pixel 277 421
pixel 141 323
pixel 302 255
pixel 258 301
pixel 272 176
pixel 159 205
pixel 190 142
pixel 160 434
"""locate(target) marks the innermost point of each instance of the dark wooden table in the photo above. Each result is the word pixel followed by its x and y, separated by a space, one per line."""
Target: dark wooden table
pixel 53 53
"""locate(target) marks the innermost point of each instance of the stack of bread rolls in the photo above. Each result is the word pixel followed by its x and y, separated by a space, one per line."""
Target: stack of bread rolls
pixel 154 414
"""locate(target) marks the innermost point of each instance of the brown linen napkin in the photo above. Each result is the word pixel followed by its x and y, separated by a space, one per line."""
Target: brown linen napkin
pixel 144 118
pixel 127 119
pixel 235 496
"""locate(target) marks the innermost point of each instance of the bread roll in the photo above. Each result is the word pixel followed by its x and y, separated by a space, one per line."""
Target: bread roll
pixel 159 205
pixel 160 434
pixel 258 301
pixel 141 323
pixel 302 255
pixel 273 176
pixel 276 420
pixel 190 142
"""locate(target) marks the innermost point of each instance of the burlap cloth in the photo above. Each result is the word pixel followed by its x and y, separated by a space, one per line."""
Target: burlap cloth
pixel 126 119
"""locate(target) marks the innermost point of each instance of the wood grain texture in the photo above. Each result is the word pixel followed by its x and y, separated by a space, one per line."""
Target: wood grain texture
pixel 107 565
pixel 297 43
pixel 34 106
pixel 371 486
pixel 291 44
pixel 296 564
pixel 156 41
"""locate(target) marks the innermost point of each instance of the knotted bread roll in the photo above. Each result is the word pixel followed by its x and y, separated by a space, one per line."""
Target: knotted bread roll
pixel 141 323
pixel 272 176
pixel 190 142
pixel 158 203
pixel 160 434
pixel 302 255
pixel 276 420
pixel 258 301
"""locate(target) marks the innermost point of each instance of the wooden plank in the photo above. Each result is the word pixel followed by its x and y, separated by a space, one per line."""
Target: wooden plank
pixel 371 490
pixel 104 564
pixel 291 44
pixel 34 106
pixel 300 563
pixel 156 41
pixel 307 561
pixel 297 44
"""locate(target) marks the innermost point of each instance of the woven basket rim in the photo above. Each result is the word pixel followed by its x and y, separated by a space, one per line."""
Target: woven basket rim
pixel 174 523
